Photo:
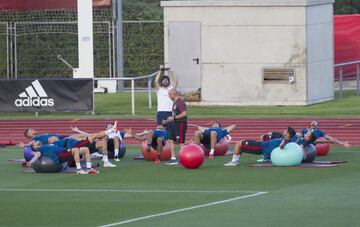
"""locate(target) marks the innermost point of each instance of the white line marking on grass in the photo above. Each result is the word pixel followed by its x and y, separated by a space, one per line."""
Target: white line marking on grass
pixel 115 190
pixel 183 209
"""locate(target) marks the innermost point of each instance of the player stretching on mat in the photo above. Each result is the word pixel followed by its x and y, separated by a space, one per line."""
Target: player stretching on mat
pixel 179 124
pixel 60 155
pixel 256 147
pixel 156 139
pixel 211 136
pixel 322 137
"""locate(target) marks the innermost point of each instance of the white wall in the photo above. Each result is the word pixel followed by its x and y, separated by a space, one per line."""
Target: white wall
pixel 238 41
pixel 320 53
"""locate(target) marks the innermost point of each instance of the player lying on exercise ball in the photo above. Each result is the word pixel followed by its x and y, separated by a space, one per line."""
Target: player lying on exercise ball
pixel 62 147
pixel 114 139
pixel 93 141
pixel 60 155
pixel 211 136
pixel 155 139
pixel 323 137
pixel 46 138
pixel 265 148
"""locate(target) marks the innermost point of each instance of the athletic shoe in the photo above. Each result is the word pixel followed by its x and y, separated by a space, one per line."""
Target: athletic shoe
pixel 92 171
pixel 211 156
pixel 81 171
pixel 232 163
pixel 108 164
pixel 96 155
pixel 157 161
pixel 116 159
pixel 262 160
pixel 171 162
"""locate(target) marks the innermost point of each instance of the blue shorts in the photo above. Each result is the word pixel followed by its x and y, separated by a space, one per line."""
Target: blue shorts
pixel 154 142
pixel 163 115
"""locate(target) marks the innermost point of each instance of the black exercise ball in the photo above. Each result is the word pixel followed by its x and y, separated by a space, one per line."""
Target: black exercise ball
pixel 122 150
pixel 310 151
pixel 110 149
pixel 46 165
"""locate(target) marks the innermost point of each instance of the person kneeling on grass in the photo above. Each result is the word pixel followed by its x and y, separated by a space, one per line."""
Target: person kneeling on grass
pixel 91 142
pixel 60 155
pixel 257 147
pixel 211 136
pixel 156 139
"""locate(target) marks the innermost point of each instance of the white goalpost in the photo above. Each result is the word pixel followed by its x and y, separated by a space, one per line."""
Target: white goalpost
pixel 85 40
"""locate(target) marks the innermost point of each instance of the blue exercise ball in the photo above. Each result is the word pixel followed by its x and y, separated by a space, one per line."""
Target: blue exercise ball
pixel 111 152
pixel 122 150
pixel 291 155
pixel 310 151
pixel 28 153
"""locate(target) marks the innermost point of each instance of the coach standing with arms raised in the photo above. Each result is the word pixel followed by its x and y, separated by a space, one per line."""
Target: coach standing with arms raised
pixel 178 122
pixel 163 86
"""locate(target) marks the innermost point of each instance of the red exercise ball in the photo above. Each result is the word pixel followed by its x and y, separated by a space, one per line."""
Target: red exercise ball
pixel 322 149
pixel 191 156
pixel 151 156
pixel 220 149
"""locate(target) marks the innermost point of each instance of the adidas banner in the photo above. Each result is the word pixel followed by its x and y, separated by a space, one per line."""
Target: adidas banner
pixel 46 95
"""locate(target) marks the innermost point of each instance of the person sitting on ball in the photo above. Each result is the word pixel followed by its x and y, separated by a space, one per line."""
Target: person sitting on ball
pixel 261 148
pixel 322 137
pixel 60 155
pixel 156 139
pixel 211 136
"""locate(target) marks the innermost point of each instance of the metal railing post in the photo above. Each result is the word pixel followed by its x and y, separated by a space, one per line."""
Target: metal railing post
pixel 357 79
pixel 149 93
pixel 133 97
pixel 7 51
pixel 15 52
pixel 341 83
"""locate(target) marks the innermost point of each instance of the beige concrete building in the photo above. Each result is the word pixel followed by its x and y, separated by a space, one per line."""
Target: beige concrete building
pixel 252 52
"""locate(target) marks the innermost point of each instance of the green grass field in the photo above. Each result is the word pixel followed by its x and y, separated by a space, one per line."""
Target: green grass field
pixel 295 196
pixel 119 105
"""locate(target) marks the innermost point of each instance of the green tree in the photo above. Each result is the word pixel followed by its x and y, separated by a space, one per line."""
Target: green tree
pixel 347 6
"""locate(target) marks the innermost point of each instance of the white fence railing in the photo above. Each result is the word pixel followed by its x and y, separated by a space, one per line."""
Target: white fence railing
pixel 132 79
pixel 341 79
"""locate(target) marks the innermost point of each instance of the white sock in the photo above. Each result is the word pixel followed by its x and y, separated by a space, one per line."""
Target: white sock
pixel 78 166
pixel 173 158
pixel 88 165
pixel 212 151
pixel 105 158
pixel 235 158
pixel 116 152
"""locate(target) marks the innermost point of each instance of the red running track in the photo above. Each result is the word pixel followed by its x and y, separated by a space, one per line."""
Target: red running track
pixel 346 129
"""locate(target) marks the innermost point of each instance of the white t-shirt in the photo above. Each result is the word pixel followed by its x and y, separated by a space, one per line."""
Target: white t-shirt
pixel 163 100
pixel 119 134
